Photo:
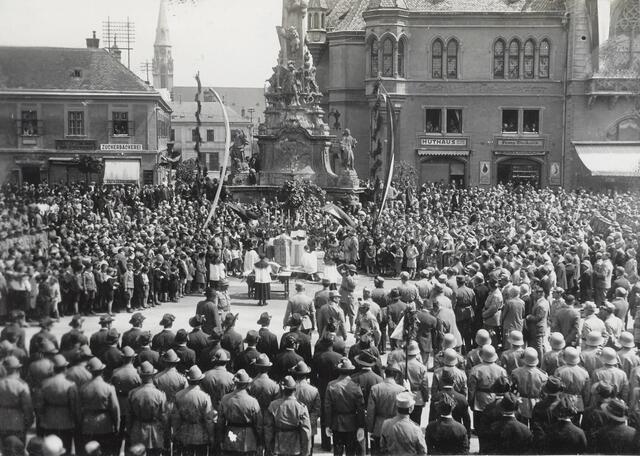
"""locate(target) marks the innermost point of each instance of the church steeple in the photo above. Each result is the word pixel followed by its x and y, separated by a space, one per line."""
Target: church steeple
pixel 162 60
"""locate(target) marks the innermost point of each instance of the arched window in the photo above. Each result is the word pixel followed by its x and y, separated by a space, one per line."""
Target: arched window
pixel 322 20
pixel 315 23
pixel 627 129
pixel 401 58
pixel 498 59
pixel 527 64
pixel 436 59
pixel 374 58
pixel 543 62
pixel 514 59
pixel 452 59
pixel 387 58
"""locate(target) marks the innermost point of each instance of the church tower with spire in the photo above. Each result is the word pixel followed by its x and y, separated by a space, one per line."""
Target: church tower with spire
pixel 162 60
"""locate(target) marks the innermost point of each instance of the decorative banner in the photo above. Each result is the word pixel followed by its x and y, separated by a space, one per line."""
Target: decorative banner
pixel 554 174
pixel 485 173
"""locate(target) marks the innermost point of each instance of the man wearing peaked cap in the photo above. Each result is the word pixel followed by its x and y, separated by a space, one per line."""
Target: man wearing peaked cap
pixel 164 340
pixel 193 417
pixel 240 418
pixel 382 403
pixel 401 435
pixel 99 410
pixel 130 337
pixel 125 378
pixel 16 416
pixel 344 410
pixel 287 427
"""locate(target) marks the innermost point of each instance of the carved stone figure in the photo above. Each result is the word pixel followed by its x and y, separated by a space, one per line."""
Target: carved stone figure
pixel 347 145
pixel 238 143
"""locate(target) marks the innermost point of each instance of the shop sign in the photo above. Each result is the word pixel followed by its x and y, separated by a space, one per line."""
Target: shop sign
pixel 428 141
pixel 120 147
pixel 75 144
pixel 520 142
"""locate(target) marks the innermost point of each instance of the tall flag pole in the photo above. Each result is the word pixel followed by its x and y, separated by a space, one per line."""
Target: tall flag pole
pixel 198 139
pixel 227 146
pixel 383 97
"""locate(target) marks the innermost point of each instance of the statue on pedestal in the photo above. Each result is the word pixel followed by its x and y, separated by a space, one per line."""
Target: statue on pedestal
pixel 347 144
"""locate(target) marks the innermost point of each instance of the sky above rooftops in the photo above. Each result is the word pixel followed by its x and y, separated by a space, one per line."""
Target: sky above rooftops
pixel 231 42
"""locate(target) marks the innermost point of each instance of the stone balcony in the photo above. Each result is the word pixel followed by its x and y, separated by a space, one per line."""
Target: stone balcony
pixel 612 88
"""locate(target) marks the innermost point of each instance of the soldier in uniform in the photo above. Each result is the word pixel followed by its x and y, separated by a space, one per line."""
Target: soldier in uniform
pixel 99 412
pixel 35 343
pixel 268 341
pixel 112 356
pixel 395 312
pixel 170 382
pixel 332 311
pixel 465 300
pixel 450 361
pixel 74 336
pixel 186 355
pixel 344 411
pixel 528 380
pixel 512 358
pixel 208 310
pixel 324 371
pixel 16 408
pixel 197 339
pixel 628 354
pixel 286 359
pixel 400 434
pixel 163 341
pixel 417 376
pixel 247 358
pixel 542 419
pixel 98 340
pixel 146 353
pixel 130 337
pixel 322 296
pixel 78 373
pixel 41 365
pixel 445 435
pixel 301 304
pixel 382 403
pixel 193 418
pixel 576 380
pixel 612 374
pixel 240 419
pixel 379 296
pixel 218 381
pixel 303 341
pixel 481 379
pixel 56 404
pixel 553 359
pixel 213 347
pixel 473 357
pixel 287 427
pixel 426 326
pixel 307 394
pixel 148 413
pixel 590 354
pixel 231 339
pixel 125 378
pixel 263 388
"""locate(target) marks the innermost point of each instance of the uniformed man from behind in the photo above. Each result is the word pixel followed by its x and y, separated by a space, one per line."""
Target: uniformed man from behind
pixel 163 341
pixel 74 336
pixel 170 382
pixel 240 420
pixel 528 380
pixel 417 376
pixel 218 381
pixel 98 340
pixel 382 403
pixel 307 394
pixel 130 337
pixel 344 411
pixel 302 304
pixel 481 379
pixel 197 339
pixel 565 437
pixel 148 413
pixel 576 380
pixel 612 374
pixel 473 357
pixel 287 429
pixel 16 407
pixel 56 404
pixel 125 378
pixel 99 410
pixel 512 358
pixel 263 388
pixel 400 434
pixel 193 418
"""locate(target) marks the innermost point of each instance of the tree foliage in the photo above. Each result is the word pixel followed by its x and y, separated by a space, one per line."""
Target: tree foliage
pixel 301 194
pixel 187 171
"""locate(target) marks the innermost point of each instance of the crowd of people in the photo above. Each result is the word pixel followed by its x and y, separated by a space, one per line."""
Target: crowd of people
pixel 511 322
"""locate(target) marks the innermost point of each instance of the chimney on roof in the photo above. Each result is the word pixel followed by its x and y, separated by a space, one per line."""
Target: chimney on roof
pixel 115 50
pixel 93 43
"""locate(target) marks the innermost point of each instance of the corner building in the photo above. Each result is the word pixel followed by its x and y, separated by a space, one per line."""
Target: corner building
pixel 477 85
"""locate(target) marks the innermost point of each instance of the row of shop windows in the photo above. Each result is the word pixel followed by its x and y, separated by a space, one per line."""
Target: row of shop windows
pixel 514 61
pixel 514 171
pixel 449 120
pixel 34 175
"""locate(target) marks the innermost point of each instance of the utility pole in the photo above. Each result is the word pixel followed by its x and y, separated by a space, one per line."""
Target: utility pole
pixel 145 67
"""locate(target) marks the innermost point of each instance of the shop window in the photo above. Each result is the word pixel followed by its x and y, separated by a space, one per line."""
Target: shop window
pixel 436 59
pixel 529 54
pixel 401 58
pixel 498 59
pixel 454 120
pixel 434 121
pixel 120 123
pixel 210 136
pixel 531 121
pixel 374 58
pixel 514 59
pixel 75 123
pixel 195 135
pixel 147 177
pixel 29 123
pixel 509 121
pixel 387 58
pixel 543 64
pixel 452 59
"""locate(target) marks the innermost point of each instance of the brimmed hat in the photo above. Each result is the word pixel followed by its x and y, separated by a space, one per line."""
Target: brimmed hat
pixel 106 319
pixel 46 322
pixel 483 337
pixel 509 403
pixel 450 357
pixel 334 294
pixel 556 340
pixel 565 408
pixel 47 347
pixel 136 318
pixel 571 356
pixel 220 357
pixel 128 352
pixel 405 400
pixel 60 361
pixel 170 357
pixel 449 341
pixel 263 361
pixel 11 362
pixel 609 356
pixel 488 353
pixel 288 383
pixel 241 377
pixel 252 337
pixel 167 319
pixel 345 366
pixel 594 339
pixel 196 320
pixel 195 374
pixel 413 348
pixel 615 409
pixel 300 369
pixel 229 320
pixel 112 336
pixel 95 365
pixel 554 385
pixel 392 368
pixel 366 358
pixel 76 321
pixel 516 338
pixel 265 318
pixel 295 320
pixel 530 356
pixel 146 369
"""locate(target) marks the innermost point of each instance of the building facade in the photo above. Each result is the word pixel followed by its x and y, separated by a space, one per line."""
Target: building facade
pixel 477 86
pixel 162 68
pixel 60 106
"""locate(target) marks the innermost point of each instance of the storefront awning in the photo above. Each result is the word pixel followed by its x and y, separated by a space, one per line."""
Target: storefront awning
pixel 121 171
pixel 613 159
pixel 521 153
pixel 443 153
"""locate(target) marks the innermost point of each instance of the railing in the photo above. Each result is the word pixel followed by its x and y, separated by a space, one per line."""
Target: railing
pixel 613 86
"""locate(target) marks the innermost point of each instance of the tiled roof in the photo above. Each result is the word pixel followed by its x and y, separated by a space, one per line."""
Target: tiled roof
pixel 347 14
pixel 50 68
pixel 211 112
pixel 236 98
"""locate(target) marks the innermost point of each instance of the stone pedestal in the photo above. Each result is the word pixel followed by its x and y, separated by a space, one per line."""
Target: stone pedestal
pixel 282 250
